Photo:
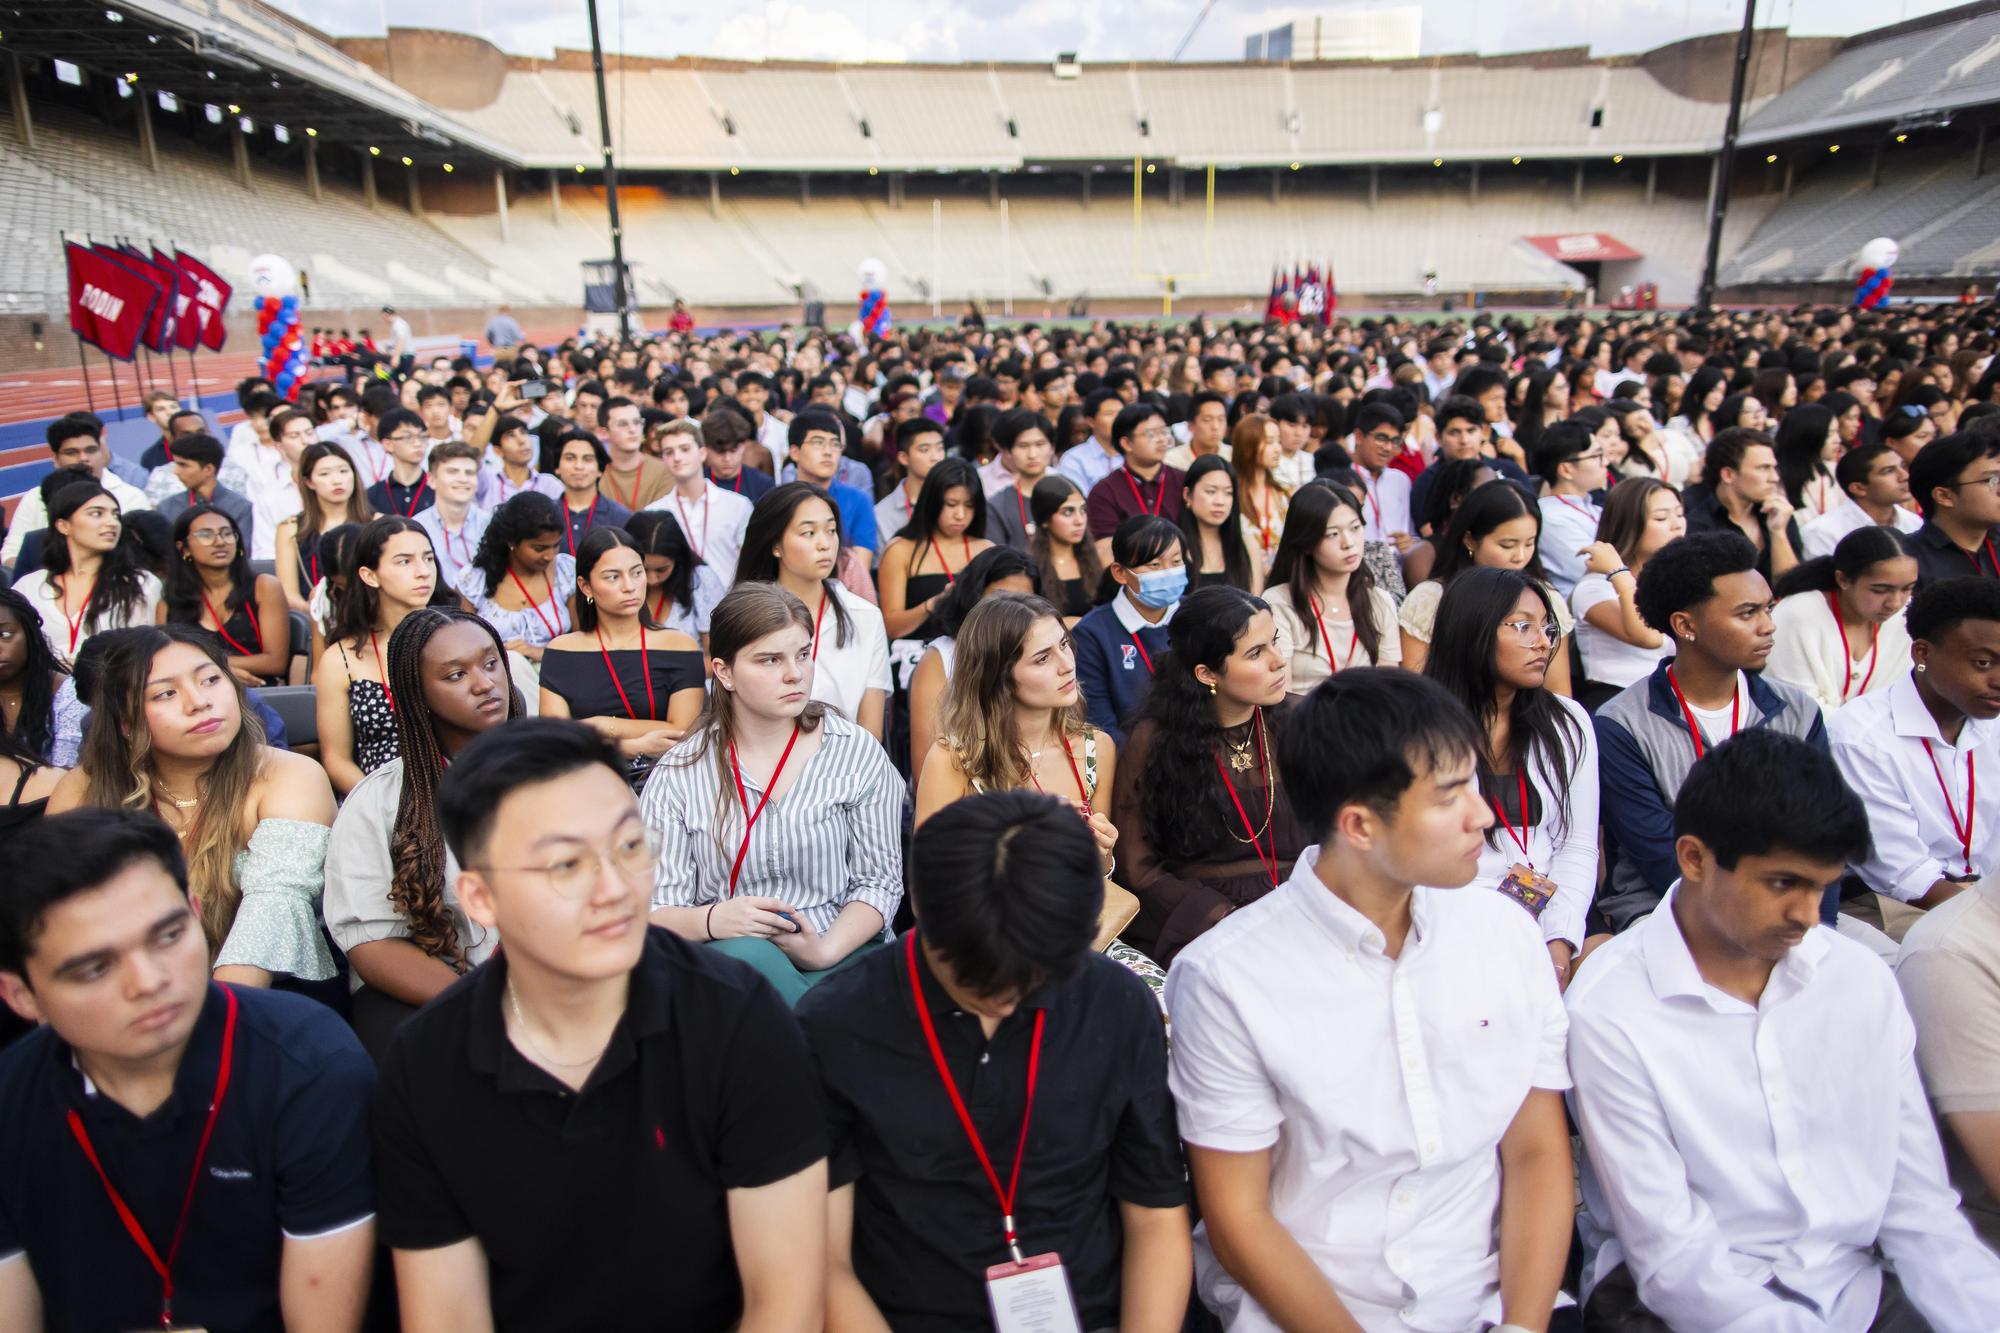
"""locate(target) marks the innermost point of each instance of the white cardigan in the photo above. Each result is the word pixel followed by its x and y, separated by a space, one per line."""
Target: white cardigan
pixel 1808 653
pixel 1570 862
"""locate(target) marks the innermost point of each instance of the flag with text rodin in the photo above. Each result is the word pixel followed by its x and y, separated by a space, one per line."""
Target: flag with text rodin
pixel 109 302
pixel 211 297
pixel 159 332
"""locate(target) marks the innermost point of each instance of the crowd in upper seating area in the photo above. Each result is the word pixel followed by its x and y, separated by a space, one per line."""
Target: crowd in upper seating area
pixel 1141 827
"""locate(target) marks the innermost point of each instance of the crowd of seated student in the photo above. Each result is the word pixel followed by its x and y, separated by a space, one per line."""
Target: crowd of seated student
pixel 738 606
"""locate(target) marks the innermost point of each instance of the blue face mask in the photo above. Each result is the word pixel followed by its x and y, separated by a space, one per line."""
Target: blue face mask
pixel 1161 588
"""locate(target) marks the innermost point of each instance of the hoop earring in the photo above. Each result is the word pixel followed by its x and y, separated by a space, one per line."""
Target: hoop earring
pixel 1918 668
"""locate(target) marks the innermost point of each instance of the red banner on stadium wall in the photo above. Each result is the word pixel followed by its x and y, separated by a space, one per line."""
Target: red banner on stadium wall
pixel 109 304
pixel 1588 247
pixel 211 297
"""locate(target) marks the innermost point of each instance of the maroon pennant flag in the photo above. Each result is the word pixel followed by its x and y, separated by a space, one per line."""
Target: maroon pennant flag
pixel 109 303
pixel 211 298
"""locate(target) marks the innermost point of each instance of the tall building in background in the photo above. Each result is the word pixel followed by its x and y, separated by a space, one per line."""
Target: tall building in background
pixel 1360 32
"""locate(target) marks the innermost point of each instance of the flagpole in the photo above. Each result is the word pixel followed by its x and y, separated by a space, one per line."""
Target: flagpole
pixel 83 360
pixel 117 396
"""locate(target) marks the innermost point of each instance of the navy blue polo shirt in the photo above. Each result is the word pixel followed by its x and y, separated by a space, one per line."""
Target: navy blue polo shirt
pixel 605 1208
pixel 290 1156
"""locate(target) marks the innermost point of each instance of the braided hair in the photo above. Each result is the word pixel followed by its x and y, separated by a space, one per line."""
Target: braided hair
pixel 34 729
pixel 416 847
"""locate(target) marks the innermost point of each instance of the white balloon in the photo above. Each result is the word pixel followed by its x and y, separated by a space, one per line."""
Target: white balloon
pixel 874 275
pixel 273 275
pixel 1880 253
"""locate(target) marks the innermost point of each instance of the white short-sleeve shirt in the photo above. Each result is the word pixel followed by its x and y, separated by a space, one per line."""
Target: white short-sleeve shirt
pixel 843 672
pixel 1382 1086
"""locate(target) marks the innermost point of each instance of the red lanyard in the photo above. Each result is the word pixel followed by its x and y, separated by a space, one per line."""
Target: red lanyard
pixel 1973 556
pixel 1565 500
pixel 1075 772
pixel 75 621
pixel 1005 1196
pixel 386 691
pixel 700 552
pixel 1963 831
pixel 535 606
pixel 1326 640
pixel 660 607
pixel 1520 838
pixel 222 629
pixel 632 504
pixel 817 621
pixel 1159 497
pixel 422 484
pixel 463 545
pixel 1694 732
pixel 569 525
pixel 1263 518
pixel 1144 656
pixel 652 713
pixel 743 797
pixel 165 1268
pixel 1846 657
pixel 1021 504
pixel 948 578
pixel 315 568
pixel 1270 799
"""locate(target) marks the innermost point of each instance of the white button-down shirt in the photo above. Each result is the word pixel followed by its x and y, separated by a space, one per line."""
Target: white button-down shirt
pixel 273 491
pixel 1385 503
pixel 1820 535
pixel 455 546
pixel 713 526
pixel 1731 1145
pixel 1569 523
pixel 1088 463
pixel 1383 1085
pixel 1878 741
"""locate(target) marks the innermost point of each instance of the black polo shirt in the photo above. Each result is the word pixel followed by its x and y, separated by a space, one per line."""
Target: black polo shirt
pixel 603 1209
pixel 390 496
pixel 926 1223
pixel 1939 557
pixel 1705 513
pixel 290 1157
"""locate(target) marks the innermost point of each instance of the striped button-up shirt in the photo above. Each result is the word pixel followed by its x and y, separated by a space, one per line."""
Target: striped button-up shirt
pixel 834 837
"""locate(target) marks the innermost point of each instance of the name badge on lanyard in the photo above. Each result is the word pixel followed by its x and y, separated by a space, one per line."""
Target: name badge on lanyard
pixel 1031 1296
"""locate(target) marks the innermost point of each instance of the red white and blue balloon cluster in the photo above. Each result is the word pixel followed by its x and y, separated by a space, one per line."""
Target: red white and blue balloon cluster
pixel 284 347
pixel 874 314
pixel 1877 280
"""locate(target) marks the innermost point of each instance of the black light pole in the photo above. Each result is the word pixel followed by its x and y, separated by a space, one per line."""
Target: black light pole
pixel 1723 163
pixel 611 180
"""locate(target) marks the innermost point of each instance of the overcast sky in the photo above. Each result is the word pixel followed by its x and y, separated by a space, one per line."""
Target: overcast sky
pixel 854 30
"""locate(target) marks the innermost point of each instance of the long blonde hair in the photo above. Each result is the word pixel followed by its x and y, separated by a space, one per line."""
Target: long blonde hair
pixel 746 613
pixel 117 761
pixel 977 716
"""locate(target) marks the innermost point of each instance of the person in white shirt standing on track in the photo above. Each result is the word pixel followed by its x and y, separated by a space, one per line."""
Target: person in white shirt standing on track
pixel 1759 1150
pixel 1408 1168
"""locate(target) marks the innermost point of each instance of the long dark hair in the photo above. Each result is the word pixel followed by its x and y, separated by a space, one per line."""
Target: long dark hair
pixel 657 532
pixel 1179 797
pixel 183 590
pixel 1488 506
pixel 980 573
pixel 358 508
pixel 1529 427
pixel 1625 509
pixel 593 548
pixel 521 518
pixel 1051 493
pixel 949 474
pixel 1235 555
pixel 1462 660
pixel 1297 568
pixel 35 727
pixel 1801 442
pixel 1455 480
pixel 416 847
pixel 1853 555
pixel 117 591
pixel 765 532
pixel 355 610
pixel 1696 392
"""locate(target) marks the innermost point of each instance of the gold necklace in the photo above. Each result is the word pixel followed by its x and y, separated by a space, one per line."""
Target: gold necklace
pixel 534 1048
pixel 1239 755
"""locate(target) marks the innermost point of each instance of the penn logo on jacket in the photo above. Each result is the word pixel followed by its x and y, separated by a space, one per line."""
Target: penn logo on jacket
pixel 1128 656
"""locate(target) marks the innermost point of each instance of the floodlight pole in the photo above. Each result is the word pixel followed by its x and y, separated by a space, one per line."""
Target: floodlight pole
pixel 610 182
pixel 1719 195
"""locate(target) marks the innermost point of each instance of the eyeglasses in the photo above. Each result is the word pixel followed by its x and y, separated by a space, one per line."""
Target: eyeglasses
pixel 635 857
pixel 1529 632
pixel 1596 457
pixel 1151 433
pixel 1991 483
pixel 403 437
pixel 214 537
